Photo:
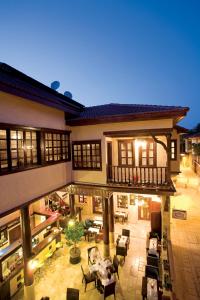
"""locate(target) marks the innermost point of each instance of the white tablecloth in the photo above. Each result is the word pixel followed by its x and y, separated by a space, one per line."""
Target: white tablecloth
pixel 92 229
pixel 153 243
pixel 122 241
pixel 152 291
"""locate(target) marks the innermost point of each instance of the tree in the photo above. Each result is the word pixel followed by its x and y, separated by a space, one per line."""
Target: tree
pixel 196 129
pixel 73 233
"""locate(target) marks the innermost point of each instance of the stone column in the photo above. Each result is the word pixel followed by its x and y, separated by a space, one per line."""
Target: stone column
pixel 111 220
pixel 106 228
pixel 72 205
pixel 29 292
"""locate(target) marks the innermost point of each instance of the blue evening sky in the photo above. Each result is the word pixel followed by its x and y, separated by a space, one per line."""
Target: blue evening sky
pixel 105 51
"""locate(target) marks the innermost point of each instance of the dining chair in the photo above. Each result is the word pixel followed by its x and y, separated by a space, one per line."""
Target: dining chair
pixel 109 289
pixel 115 265
pixel 152 272
pixel 144 288
pixel 72 294
pixel 122 251
pixel 152 261
pixel 126 232
pixel 87 278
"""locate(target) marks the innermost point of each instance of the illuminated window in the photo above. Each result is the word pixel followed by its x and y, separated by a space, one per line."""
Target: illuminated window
pixel 173 149
pixel 87 155
pixel 57 147
pixel 3 150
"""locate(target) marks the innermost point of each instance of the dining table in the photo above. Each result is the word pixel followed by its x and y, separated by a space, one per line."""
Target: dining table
pixel 152 289
pixel 101 267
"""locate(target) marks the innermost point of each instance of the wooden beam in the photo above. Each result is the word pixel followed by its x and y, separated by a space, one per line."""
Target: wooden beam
pixel 138 132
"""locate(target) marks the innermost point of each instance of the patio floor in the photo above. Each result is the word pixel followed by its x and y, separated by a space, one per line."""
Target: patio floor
pixel 54 279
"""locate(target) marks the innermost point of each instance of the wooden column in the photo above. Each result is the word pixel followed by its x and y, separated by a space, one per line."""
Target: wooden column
pixel 29 293
pixel 111 220
pixel 106 228
pixel 72 205
pixel 169 157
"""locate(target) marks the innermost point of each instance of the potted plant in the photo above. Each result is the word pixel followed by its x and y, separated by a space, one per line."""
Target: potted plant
pixel 73 233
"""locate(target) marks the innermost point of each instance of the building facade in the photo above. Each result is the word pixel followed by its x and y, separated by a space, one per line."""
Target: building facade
pixel 102 159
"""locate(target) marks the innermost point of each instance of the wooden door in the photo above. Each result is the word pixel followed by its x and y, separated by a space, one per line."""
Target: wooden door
pixel 14 234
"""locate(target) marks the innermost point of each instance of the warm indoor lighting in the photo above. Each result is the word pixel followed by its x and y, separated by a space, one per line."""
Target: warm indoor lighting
pixel 140 143
pixel 71 223
pixel 33 263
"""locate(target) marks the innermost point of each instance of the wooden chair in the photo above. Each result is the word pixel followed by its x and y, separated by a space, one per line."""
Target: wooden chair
pixel 126 232
pixel 72 294
pixel 144 288
pixel 88 278
pixel 109 290
pixel 152 261
pixel 122 251
pixel 115 265
pixel 151 272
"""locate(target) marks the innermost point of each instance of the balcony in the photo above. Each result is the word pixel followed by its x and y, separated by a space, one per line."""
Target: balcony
pixel 138 176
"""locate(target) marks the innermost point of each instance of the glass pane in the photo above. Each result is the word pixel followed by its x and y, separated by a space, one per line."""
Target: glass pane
pixel 20 135
pixel 123 161
pixel 13 134
pixel 2 134
pixel 3 144
pixel 28 135
pixel 130 161
pixel 144 161
pixel 150 161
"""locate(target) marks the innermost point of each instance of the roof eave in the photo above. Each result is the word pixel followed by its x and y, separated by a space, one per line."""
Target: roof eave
pixel 175 114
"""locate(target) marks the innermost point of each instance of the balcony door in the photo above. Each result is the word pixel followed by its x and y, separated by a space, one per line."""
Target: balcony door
pixel 147 154
pixel 126 153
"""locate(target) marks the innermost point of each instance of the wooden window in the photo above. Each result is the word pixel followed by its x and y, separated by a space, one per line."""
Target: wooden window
pixel 87 155
pixel 3 150
pixel 173 149
pixel 23 148
pixel 57 147
pixel 147 154
pixel 126 153
pixel 82 199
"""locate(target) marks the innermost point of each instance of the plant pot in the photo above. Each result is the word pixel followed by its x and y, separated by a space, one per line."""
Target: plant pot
pixel 75 255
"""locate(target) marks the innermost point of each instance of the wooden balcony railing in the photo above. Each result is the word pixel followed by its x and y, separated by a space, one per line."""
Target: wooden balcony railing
pixel 137 175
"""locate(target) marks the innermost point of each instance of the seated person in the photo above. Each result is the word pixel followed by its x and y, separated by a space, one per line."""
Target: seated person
pixel 94 255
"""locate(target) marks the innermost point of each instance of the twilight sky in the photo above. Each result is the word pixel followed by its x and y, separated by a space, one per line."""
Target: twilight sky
pixel 105 51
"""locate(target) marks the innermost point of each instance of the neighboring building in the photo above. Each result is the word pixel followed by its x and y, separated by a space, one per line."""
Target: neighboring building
pixel 192 159
pixel 54 151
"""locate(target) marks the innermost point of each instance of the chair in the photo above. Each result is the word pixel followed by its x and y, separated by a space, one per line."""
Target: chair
pixel 88 278
pixel 122 251
pixel 152 261
pixel 109 289
pixel 144 288
pixel 126 232
pixel 115 265
pixel 72 294
pixel 151 272
pixel 89 254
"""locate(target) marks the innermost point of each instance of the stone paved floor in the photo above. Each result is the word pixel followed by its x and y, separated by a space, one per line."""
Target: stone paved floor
pixel 185 235
pixel 55 279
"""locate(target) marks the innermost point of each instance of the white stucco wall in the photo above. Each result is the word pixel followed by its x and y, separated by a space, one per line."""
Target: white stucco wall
pixel 95 132
pixel 19 188
pixel 16 110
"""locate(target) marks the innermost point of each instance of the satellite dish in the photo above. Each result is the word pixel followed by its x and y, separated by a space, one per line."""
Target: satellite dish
pixel 68 94
pixel 55 85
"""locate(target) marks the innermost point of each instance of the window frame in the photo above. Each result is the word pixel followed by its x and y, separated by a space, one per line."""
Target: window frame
pixel 175 149
pixel 53 147
pixel 40 145
pixel 148 149
pixel 88 142
pixel 120 157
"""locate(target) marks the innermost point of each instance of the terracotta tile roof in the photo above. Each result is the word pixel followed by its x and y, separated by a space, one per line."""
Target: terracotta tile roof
pixel 17 83
pixel 125 110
